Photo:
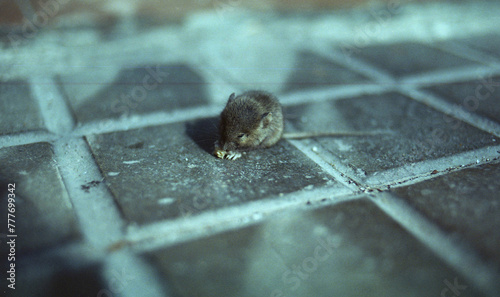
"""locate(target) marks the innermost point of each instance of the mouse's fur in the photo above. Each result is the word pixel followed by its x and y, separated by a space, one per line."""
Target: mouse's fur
pixel 249 121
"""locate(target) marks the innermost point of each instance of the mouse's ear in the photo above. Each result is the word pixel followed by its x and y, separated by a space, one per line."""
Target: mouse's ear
pixel 266 119
pixel 231 97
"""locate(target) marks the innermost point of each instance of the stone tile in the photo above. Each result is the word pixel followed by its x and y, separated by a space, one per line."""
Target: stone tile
pixel 403 59
pixel 103 93
pixel 418 132
pixel 54 278
pixel 19 111
pixel 480 96
pixel 167 171
pixel 313 71
pixel 44 213
pixel 489 44
pixel 351 249
pixel 464 204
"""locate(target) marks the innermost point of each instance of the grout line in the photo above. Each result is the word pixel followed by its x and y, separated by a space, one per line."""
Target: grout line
pixel 454 110
pixel 163 118
pixel 465 51
pixel 100 219
pixel 98 215
pixel 129 276
pixel 461 258
pixel 55 112
pixel 146 120
pixel 329 163
pixel 332 93
pixel 449 75
pixel 26 138
pixel 165 233
pixel 359 66
pixel 416 172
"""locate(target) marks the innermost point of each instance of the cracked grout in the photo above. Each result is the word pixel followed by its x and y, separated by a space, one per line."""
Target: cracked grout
pixel 99 218
pixel 100 221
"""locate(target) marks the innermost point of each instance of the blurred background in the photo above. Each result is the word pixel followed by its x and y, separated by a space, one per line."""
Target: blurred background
pixel 12 12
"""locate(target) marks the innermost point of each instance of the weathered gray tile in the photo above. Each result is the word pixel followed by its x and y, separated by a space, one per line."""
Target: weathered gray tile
pixel 103 93
pixel 402 59
pixel 352 249
pixel 167 171
pixel 417 132
pixel 19 111
pixel 489 44
pixel 480 96
pixel 57 278
pixel 464 203
pixel 313 71
pixel 43 212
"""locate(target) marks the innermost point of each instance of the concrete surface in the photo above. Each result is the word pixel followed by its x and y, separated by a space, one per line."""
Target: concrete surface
pixel 107 134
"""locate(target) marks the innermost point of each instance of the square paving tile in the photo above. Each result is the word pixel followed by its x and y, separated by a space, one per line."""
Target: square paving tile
pixel 57 278
pixel 480 96
pixel 167 171
pixel 417 132
pixel 464 203
pixel 314 71
pixel 19 111
pixel 489 44
pixel 352 249
pixel 103 94
pixel 44 213
pixel 403 59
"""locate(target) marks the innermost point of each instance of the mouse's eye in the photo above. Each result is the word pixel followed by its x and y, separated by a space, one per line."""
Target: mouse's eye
pixel 241 135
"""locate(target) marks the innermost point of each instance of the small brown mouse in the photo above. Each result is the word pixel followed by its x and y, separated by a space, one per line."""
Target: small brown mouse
pixel 249 121
pixel 254 120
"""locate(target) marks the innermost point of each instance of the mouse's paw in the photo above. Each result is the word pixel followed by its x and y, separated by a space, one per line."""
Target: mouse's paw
pixel 221 154
pixel 233 155
pixel 218 151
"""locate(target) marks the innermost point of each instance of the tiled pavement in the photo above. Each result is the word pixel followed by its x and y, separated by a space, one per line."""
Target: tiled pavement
pixel 108 143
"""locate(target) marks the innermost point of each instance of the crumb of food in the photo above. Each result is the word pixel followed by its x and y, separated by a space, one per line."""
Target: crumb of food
pixel 229 155
pixel 219 153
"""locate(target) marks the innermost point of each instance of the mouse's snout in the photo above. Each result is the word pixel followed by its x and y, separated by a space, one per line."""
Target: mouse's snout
pixel 229 146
